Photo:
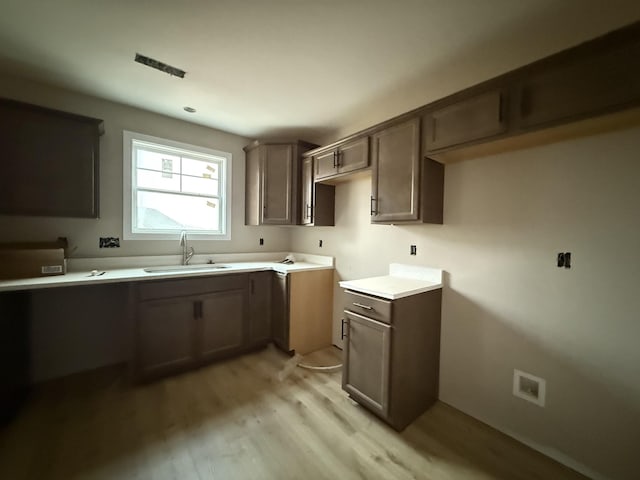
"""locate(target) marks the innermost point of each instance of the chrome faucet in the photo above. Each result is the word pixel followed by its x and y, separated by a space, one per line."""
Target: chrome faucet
pixel 187 252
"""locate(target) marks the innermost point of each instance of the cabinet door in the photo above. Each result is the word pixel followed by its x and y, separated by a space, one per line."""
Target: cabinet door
pixel 277 183
pixel 353 155
pixel 307 192
pixel 365 374
pixel 603 81
pixel 14 352
pixel 221 323
pixel 260 307
pixel 253 188
pixel 280 311
pixel 396 173
pixel 54 162
pixel 480 116
pixel 326 164
pixel 165 336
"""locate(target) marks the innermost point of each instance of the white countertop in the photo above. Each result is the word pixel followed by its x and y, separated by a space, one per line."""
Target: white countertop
pixel 81 274
pixel 402 281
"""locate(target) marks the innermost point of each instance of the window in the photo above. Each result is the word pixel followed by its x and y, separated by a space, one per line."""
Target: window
pixel 170 187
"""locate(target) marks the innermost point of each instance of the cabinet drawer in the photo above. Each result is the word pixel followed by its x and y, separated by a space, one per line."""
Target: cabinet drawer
pixel 371 307
pixel 191 286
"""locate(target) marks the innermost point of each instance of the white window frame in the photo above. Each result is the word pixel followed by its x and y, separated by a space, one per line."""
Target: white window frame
pixel 128 190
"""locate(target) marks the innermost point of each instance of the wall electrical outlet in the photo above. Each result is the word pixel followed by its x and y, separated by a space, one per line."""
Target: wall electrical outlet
pixel 529 387
pixel 414 250
pixel 261 241
pixel 320 243
pixel 563 260
pixel 109 242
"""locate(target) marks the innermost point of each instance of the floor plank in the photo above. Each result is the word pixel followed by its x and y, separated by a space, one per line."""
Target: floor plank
pixel 245 419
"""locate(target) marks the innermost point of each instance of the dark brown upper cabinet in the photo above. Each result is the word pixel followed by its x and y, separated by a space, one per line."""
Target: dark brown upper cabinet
pixel 566 95
pixel 341 159
pixel 478 116
pixel 570 87
pixel 317 200
pixel 50 162
pixel 404 187
pixel 272 191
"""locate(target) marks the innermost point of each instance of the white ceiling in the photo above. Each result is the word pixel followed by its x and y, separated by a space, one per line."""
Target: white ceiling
pixel 305 68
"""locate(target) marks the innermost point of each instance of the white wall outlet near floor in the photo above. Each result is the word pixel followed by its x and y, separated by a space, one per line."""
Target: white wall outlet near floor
pixel 529 387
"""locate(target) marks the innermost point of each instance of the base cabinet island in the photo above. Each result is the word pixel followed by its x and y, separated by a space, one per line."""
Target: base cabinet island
pixel 391 328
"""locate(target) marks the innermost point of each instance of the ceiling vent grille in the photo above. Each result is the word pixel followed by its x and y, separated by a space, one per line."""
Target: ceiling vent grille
pixel 163 67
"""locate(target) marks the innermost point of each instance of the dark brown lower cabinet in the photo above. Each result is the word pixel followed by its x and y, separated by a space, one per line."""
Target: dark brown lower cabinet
pixel 220 324
pixel 14 353
pixel 165 336
pixel 260 288
pixel 207 319
pixel 280 311
pixel 391 363
pixel 366 366
pixel 184 323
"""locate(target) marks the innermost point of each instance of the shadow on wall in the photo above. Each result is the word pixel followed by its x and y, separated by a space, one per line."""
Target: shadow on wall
pixel 586 418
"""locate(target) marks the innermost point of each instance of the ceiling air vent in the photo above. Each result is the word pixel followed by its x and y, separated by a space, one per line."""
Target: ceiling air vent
pixel 163 67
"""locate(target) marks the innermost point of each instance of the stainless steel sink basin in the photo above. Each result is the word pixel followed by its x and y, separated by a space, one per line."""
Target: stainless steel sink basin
pixel 185 268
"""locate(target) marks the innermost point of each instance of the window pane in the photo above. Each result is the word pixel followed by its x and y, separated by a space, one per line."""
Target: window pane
pixel 158 180
pixel 201 186
pixel 163 162
pixel 168 211
pixel 199 168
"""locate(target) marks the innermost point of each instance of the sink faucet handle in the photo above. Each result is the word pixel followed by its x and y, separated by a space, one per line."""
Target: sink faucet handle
pixel 183 238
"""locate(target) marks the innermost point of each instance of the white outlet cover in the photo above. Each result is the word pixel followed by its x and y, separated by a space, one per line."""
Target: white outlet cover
pixel 518 391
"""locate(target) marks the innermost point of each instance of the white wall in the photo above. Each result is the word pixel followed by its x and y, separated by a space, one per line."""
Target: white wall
pixel 84 233
pixel 505 303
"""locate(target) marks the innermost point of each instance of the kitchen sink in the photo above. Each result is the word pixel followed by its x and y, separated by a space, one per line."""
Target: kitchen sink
pixel 185 268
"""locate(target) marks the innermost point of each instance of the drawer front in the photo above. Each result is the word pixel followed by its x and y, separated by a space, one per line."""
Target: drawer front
pixel 371 307
pixel 191 286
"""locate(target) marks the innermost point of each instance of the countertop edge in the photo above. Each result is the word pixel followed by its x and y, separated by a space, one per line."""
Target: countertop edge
pixel 391 296
pixel 131 275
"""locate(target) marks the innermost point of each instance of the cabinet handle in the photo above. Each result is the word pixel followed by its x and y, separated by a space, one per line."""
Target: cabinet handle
pixel 309 211
pixel 374 211
pixel 338 158
pixel 366 307
pixel 335 159
pixel 342 334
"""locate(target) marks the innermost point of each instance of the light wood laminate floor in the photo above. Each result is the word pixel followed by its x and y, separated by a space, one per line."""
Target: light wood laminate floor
pixel 239 419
